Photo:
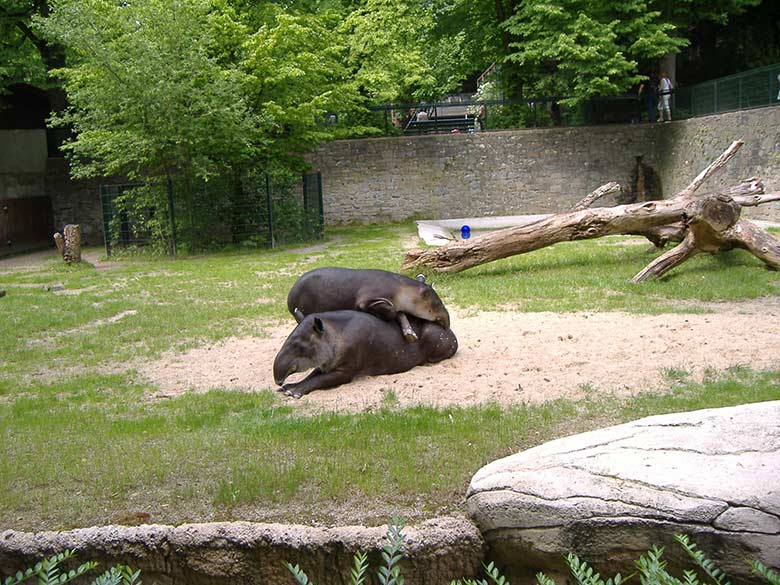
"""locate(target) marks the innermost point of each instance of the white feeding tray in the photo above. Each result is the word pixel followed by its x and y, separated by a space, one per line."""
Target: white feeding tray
pixel 437 232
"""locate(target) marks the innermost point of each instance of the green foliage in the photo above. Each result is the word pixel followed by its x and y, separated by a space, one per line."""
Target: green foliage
pixel 49 572
pixel 580 49
pixel 770 576
pixel 542 579
pixel 296 77
pixel 652 569
pixel 184 91
pixel 151 90
pixel 585 575
pixel 493 574
pixel 360 568
pixel 387 49
pixel 20 48
pixel 388 574
pixel 714 573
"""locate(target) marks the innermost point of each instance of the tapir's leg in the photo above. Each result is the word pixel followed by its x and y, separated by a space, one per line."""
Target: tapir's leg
pixel 316 380
pixel 406 327
pixel 299 316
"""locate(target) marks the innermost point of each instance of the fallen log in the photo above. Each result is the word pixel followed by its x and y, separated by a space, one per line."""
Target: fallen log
pixel 715 226
pixel 686 210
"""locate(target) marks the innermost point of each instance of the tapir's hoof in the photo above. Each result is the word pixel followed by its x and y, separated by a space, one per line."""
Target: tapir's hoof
pixel 410 336
pixel 291 392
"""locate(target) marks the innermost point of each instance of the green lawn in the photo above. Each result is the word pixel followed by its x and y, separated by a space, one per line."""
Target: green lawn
pixel 82 444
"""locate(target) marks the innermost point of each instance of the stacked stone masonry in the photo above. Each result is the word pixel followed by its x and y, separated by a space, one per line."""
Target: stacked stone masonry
pixel 533 171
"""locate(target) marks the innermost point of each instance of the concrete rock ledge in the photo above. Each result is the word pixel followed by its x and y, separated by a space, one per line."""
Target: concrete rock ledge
pixel 251 553
pixel 611 494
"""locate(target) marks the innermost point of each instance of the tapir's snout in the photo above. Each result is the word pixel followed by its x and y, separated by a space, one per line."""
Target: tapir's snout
pixel 444 320
pixel 283 367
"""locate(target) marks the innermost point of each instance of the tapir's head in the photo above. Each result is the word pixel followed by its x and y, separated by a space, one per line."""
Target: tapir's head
pixel 307 347
pixel 419 299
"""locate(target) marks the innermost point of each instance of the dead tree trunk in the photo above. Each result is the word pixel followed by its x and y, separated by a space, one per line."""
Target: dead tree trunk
pixel 707 222
pixel 715 226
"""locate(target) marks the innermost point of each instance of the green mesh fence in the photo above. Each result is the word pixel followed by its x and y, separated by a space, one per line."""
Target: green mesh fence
pixel 750 89
pixel 251 210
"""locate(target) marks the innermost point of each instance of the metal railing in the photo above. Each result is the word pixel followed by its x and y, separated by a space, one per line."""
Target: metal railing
pixel 750 89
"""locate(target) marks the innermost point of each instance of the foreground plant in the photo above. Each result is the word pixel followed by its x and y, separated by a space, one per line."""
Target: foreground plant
pixel 48 572
pixel 650 566
pixel 388 574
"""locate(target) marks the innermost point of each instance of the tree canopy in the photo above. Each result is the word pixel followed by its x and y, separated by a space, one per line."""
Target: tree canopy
pixel 201 85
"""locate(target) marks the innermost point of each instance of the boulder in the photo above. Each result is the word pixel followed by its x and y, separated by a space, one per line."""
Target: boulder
pixel 610 495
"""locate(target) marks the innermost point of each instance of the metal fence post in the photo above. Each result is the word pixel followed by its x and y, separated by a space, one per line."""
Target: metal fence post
pixel 739 92
pixel 270 204
pixel 322 208
pixel 172 213
pixel 715 97
pixel 107 216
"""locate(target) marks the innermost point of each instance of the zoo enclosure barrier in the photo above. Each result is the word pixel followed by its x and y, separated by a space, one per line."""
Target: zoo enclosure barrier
pixel 749 89
pixel 256 210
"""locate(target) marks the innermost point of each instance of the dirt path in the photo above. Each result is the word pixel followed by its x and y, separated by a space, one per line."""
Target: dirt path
pixel 512 357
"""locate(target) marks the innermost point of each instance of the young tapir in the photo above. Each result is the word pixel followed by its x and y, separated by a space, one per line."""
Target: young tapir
pixel 387 295
pixel 342 345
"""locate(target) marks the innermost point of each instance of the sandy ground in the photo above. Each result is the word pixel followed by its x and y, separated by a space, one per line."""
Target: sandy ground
pixel 512 357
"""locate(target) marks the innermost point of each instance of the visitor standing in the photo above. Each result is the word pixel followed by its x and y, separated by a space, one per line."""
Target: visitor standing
pixel 664 98
pixel 648 93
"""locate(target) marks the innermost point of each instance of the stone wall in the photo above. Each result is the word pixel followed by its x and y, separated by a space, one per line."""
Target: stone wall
pixel 686 147
pixel 22 163
pixel 533 170
pixel 74 201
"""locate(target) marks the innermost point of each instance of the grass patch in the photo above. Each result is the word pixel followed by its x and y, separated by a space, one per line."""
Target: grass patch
pixel 80 445
pixel 90 452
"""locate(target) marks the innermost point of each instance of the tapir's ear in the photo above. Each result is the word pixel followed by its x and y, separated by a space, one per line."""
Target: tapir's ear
pixel 420 278
pixel 318 326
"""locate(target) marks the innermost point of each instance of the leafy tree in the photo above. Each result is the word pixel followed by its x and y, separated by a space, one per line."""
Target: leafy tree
pixel 296 78
pixel 20 57
pixel 151 88
pixel 387 49
pixel 580 49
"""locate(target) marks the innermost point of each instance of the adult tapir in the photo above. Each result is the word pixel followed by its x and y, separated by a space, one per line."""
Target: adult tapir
pixel 387 295
pixel 342 345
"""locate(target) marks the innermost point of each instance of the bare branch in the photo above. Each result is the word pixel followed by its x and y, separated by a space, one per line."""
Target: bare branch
pixel 712 169
pixel 593 196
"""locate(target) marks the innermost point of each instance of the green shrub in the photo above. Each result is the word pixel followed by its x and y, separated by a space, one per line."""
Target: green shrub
pixel 48 572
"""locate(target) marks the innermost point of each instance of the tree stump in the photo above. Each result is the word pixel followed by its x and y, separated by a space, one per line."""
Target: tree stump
pixel 71 249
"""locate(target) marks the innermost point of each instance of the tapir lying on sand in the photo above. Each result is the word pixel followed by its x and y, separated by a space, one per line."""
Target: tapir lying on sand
pixel 387 295
pixel 342 345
